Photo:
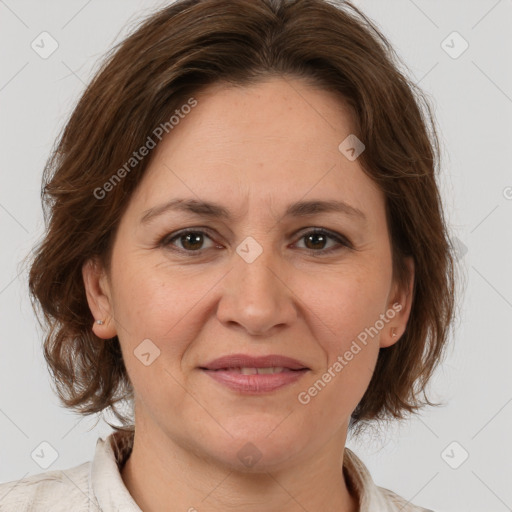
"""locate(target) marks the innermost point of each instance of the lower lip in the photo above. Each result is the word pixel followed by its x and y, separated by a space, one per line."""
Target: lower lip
pixel 255 384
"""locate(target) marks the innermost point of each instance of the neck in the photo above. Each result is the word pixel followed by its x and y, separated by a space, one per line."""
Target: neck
pixel 160 472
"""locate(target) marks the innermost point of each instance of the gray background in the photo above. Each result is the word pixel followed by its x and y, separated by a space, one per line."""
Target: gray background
pixel 472 96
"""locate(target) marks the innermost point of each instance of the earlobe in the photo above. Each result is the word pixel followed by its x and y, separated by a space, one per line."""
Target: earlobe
pixel 99 299
pixel 392 333
pixel 401 304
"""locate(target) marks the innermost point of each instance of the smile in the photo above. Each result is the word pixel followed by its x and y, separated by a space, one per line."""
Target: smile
pixel 255 380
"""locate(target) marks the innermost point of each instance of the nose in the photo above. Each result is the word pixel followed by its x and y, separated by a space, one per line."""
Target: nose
pixel 256 296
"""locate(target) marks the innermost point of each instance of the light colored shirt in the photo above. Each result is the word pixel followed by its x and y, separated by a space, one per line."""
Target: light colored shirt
pixel 97 485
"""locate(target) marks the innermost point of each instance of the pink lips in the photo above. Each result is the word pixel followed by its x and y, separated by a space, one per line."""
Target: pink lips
pixel 255 375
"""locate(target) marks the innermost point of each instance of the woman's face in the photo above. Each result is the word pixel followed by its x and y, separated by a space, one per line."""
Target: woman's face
pixel 189 285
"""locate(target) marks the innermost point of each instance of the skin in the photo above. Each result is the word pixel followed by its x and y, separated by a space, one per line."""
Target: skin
pixel 254 150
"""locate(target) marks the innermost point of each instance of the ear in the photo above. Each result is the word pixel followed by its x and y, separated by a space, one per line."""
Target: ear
pixel 99 298
pixel 400 301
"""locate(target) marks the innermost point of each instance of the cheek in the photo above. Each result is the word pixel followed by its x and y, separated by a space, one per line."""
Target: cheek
pixel 148 298
pixel 349 302
pixel 148 306
pixel 350 349
pixel 165 305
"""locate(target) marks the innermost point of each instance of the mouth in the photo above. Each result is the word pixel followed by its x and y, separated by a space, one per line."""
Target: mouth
pixel 255 371
pixel 255 375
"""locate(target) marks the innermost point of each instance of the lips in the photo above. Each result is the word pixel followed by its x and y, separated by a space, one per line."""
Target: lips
pixel 246 362
pixel 255 375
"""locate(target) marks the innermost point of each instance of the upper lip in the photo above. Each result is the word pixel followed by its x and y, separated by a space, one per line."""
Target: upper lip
pixel 246 361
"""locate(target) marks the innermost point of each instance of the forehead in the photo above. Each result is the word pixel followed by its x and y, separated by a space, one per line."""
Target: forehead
pixel 274 141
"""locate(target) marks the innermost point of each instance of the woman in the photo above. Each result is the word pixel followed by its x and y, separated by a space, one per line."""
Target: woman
pixel 246 245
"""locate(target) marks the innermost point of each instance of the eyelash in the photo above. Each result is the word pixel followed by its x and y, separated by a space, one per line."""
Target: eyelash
pixel 167 240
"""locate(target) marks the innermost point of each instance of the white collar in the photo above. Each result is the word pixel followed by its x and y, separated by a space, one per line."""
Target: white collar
pixel 106 481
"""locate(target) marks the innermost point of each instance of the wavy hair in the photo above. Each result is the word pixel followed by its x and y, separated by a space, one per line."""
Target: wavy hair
pixel 175 53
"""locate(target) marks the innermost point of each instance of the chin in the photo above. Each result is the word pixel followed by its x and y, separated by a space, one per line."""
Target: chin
pixel 256 445
pixel 248 457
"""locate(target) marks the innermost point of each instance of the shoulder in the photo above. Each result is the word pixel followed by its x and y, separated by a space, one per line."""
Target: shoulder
pixel 397 503
pixel 58 491
pixel 372 497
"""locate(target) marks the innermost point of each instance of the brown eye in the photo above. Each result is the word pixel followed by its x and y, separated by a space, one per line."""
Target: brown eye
pixel 189 241
pixel 315 241
pixel 192 241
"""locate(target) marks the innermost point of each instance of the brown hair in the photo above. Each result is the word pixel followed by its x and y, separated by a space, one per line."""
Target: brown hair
pixel 174 54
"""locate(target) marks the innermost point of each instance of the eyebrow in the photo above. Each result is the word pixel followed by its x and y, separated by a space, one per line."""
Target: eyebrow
pixel 217 211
